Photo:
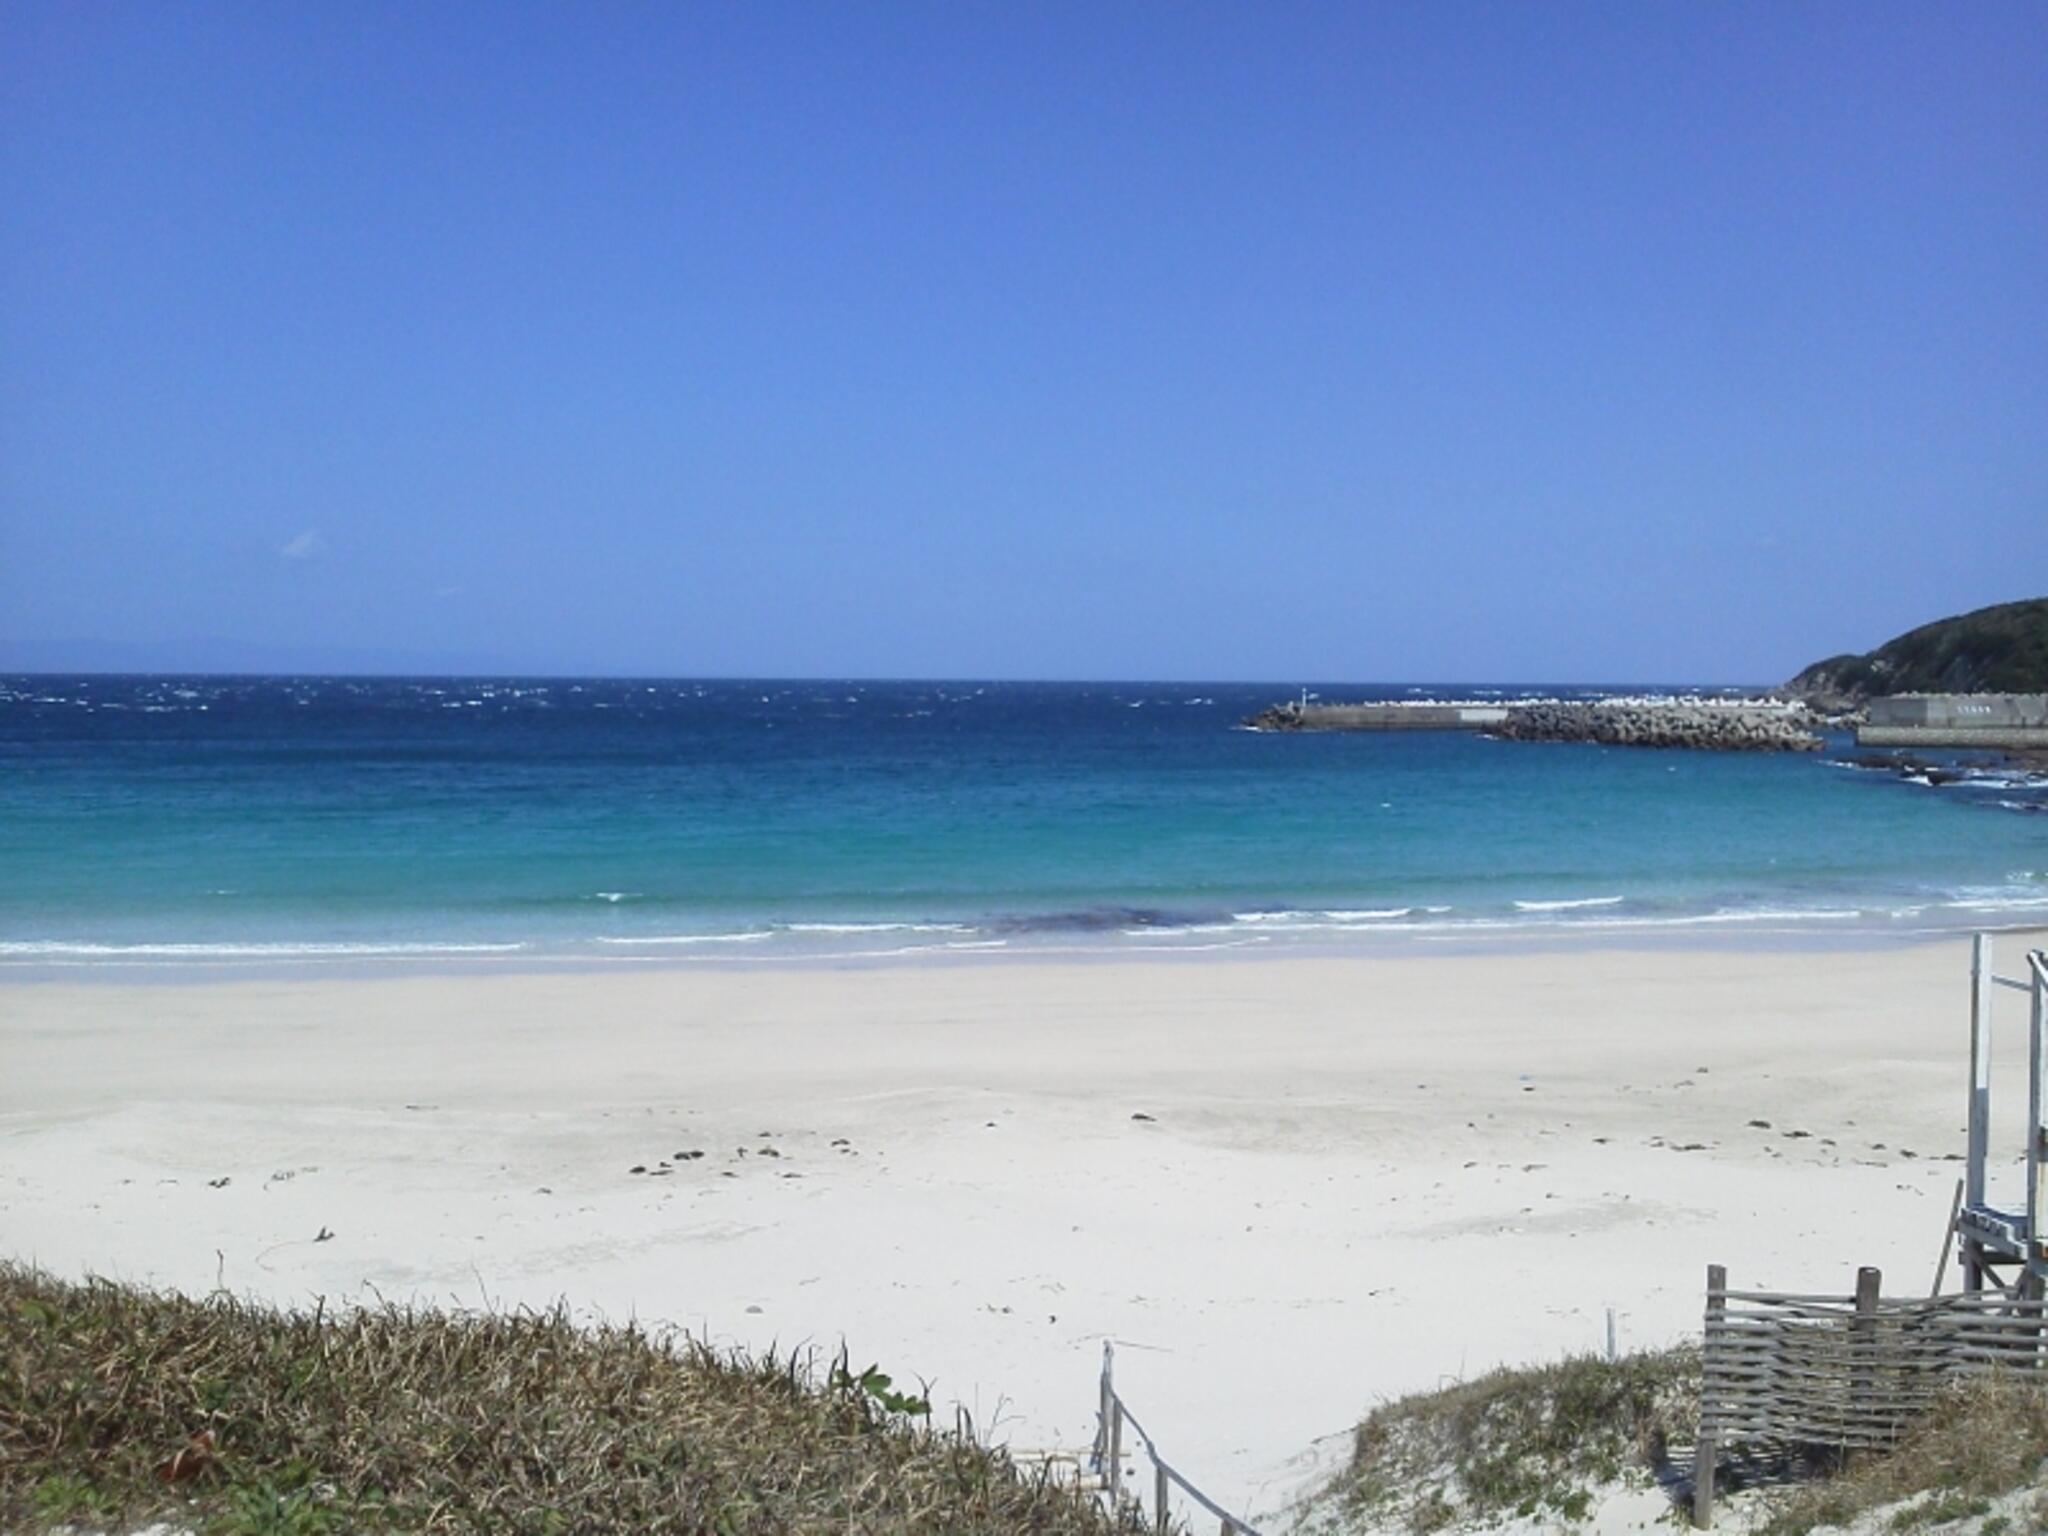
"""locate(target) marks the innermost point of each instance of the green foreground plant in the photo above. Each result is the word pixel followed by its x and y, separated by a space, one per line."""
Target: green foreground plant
pixel 118 1405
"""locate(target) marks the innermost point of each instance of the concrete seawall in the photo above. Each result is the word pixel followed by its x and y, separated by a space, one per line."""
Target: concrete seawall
pixel 2008 721
pixel 2007 739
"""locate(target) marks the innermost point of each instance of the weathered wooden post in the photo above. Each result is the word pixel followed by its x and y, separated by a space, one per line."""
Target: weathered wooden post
pixel 1863 1379
pixel 1979 1150
pixel 1158 1498
pixel 2037 1130
pixel 1116 1449
pixel 1955 1213
pixel 1106 1410
pixel 1706 1451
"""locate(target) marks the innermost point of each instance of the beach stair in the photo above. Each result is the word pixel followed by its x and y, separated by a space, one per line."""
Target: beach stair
pixel 1108 1473
pixel 2004 1249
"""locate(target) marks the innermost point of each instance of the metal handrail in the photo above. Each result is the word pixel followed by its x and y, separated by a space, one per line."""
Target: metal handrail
pixel 1108 1453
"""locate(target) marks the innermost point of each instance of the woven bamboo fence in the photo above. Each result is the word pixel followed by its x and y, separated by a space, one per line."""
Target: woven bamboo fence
pixel 1844 1373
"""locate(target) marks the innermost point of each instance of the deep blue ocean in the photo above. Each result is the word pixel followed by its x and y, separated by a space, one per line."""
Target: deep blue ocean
pixel 234 819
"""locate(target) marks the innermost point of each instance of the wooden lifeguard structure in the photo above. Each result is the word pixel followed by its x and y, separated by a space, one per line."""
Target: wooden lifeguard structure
pixel 2006 1250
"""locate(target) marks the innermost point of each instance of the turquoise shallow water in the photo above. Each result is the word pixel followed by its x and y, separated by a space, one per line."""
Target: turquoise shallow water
pixel 226 819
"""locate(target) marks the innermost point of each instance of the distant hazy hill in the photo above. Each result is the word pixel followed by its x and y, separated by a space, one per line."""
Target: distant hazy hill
pixel 2003 649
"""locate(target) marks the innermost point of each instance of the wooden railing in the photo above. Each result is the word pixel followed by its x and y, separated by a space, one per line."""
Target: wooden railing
pixel 1108 1457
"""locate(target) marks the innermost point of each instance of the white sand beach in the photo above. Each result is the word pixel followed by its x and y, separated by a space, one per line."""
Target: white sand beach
pixel 1285 1189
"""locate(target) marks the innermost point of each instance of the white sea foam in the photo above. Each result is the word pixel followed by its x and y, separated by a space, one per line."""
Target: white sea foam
pixel 1743 915
pixel 1618 924
pixel 1321 918
pixel 2013 902
pixel 614 897
pixel 878 928
pixel 689 938
pixel 1184 949
pixel 1571 905
pixel 836 956
pixel 61 948
pixel 1676 920
pixel 1535 918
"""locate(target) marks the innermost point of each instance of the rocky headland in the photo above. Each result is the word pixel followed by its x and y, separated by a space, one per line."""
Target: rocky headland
pixel 2001 649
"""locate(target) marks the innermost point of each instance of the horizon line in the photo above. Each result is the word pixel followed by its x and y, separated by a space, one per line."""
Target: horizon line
pixel 514 675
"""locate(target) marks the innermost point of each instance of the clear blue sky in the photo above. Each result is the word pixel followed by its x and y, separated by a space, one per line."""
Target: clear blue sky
pixel 1367 341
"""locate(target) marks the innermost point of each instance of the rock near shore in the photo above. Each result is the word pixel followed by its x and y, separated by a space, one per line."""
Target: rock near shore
pixel 1279 717
pixel 1703 727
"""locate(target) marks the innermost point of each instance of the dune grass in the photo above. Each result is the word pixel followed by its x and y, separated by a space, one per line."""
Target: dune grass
pixel 119 1405
pixel 1531 1443
pixel 1987 1439
pixel 1538 1445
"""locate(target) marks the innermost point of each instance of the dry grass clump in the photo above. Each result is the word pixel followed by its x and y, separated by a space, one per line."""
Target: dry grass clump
pixel 1527 1443
pixel 118 1405
pixel 1987 1438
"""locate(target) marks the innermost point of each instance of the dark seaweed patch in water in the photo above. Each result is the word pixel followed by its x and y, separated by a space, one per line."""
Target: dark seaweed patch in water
pixel 1103 920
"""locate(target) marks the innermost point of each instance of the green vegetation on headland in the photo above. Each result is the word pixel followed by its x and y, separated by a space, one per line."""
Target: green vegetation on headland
pixel 1541 1447
pixel 2003 649
pixel 119 1405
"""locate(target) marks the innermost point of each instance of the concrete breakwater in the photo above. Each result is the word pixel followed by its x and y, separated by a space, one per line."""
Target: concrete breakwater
pixel 1627 723
pixel 1434 715
pixel 1742 726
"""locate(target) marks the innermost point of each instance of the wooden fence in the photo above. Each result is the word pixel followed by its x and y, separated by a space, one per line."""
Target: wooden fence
pixel 1108 1456
pixel 1843 1372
